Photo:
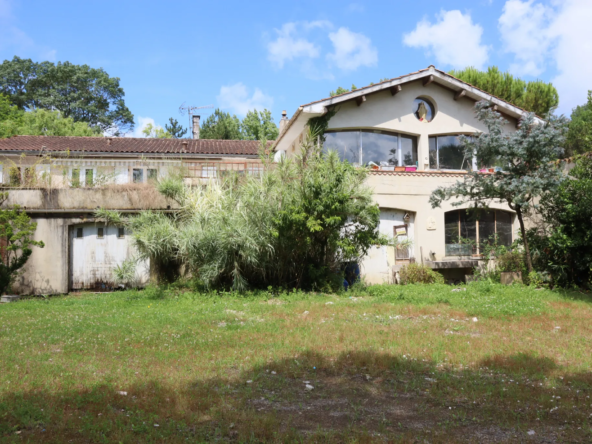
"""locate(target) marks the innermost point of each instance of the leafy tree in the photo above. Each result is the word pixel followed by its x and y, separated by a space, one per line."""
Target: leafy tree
pixel 579 136
pixel 10 117
pixel 221 125
pixel 175 129
pixel 156 132
pixel 535 96
pixel 16 234
pixel 292 226
pixel 565 248
pixel 42 122
pixel 527 156
pixel 78 91
pixel 258 125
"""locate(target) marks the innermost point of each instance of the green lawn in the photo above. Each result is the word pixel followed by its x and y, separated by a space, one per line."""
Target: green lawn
pixel 391 364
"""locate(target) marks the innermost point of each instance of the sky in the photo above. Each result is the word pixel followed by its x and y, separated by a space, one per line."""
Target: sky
pixel 239 56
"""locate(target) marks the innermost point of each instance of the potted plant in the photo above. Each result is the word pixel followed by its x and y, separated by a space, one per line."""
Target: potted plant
pixel 399 168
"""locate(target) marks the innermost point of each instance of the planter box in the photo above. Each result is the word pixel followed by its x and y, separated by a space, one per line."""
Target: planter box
pixel 509 277
pixel 388 168
pixel 9 298
pixel 399 168
pixel 411 168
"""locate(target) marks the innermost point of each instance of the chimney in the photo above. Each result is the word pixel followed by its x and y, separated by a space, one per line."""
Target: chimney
pixel 283 121
pixel 195 127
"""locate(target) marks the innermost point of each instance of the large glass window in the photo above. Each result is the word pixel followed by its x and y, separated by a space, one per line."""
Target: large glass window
pixel 376 147
pixel 446 153
pixel 467 233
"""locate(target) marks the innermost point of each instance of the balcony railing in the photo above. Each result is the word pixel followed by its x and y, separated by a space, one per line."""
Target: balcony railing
pixel 216 170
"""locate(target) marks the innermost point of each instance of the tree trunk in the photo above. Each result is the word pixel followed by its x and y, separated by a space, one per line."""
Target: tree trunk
pixel 523 232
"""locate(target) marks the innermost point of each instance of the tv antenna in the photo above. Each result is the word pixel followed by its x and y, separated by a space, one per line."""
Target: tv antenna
pixel 189 110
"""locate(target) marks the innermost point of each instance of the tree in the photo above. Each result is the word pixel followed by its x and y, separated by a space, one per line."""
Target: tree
pixel 83 93
pixel 293 226
pixel 10 117
pixel 156 132
pixel 527 156
pixel 535 96
pixel 16 234
pixel 175 129
pixel 221 125
pixel 258 125
pixel 579 136
pixel 42 122
pixel 564 249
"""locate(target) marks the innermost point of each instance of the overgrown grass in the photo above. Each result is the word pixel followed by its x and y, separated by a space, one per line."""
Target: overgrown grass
pixel 389 363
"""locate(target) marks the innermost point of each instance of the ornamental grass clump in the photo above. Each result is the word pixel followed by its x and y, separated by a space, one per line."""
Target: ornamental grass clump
pixel 293 226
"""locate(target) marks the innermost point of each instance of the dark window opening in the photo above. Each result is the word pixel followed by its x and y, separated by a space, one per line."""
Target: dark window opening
pixel 447 153
pixel 469 233
pixel 138 175
pixel 100 233
pixel 120 233
pixel 79 233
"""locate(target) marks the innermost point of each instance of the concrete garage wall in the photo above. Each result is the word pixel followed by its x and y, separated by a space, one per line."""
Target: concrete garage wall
pixel 55 211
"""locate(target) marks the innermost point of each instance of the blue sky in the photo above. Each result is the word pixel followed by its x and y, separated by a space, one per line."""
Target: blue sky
pixel 278 55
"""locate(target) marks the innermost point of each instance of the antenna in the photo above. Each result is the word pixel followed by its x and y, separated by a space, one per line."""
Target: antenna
pixel 189 110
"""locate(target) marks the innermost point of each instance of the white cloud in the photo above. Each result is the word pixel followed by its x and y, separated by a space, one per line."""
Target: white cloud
pixel 524 32
pixel 454 40
pixel 351 50
pixel 289 46
pixel 12 38
pixel 236 98
pixel 557 34
pixel 141 123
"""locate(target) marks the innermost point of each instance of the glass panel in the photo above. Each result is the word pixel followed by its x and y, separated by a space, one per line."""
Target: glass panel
pixel 451 227
pixel 433 153
pixel 138 175
pixel 346 143
pixel 409 150
pixel 504 228
pixel 152 173
pixel 423 110
pixel 486 227
pixel 208 171
pixel 89 178
pixel 75 177
pixel 382 149
pixel 468 228
pixel 450 153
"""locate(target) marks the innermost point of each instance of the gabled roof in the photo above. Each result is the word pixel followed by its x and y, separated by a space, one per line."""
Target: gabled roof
pixel 131 146
pixel 430 74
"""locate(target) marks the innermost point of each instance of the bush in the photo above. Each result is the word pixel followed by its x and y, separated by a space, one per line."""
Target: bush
pixel 419 274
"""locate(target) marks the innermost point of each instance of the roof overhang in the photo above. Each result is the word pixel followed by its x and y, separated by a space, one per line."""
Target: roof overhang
pixel 430 75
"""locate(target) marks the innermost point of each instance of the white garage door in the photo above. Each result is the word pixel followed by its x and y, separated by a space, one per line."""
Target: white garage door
pixel 95 250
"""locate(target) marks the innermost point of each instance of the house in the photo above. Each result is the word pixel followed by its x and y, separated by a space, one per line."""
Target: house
pixel 406 130
pixel 61 181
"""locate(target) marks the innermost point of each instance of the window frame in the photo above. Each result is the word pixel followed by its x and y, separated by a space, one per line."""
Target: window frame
pixel 398 135
pixel 476 250
pixel 436 137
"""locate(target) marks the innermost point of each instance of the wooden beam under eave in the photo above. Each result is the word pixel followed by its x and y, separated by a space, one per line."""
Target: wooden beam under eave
pixel 460 94
pixel 360 100
pixel 428 80
pixel 395 89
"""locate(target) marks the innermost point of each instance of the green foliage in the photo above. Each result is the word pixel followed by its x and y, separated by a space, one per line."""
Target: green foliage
pixel 175 129
pixel 42 122
pixel 528 158
pixel 291 227
pixel 79 92
pixel 419 274
pixel 535 96
pixel 125 274
pixel 338 91
pixel 10 117
pixel 156 132
pixel 221 125
pixel 16 238
pixel 579 136
pixel 564 250
pixel 259 125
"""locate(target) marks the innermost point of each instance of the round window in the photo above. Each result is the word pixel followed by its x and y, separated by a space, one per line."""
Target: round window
pixel 423 110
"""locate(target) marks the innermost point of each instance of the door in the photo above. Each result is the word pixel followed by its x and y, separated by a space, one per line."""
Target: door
pixel 95 250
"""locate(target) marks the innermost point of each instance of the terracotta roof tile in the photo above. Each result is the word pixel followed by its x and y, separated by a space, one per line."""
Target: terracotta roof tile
pixel 128 145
